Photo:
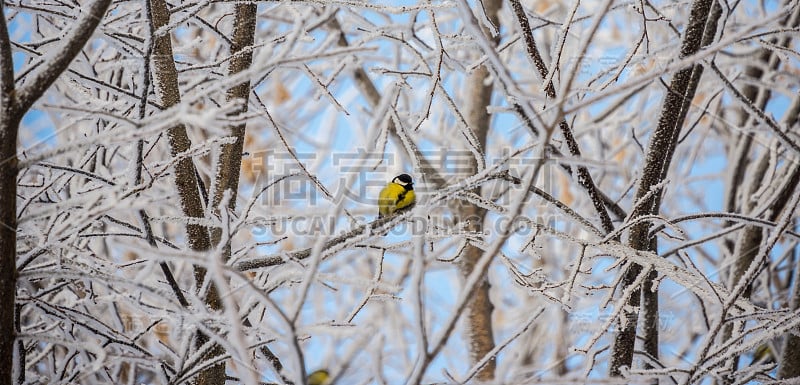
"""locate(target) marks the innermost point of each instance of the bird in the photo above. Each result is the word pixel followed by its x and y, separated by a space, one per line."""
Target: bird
pixel 319 377
pixel 763 355
pixel 398 194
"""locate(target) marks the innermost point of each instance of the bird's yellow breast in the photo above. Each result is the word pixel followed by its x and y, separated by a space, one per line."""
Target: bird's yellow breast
pixel 394 197
pixel 320 377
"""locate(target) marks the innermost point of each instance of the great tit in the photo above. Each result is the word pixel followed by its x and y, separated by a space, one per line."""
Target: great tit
pixel 398 194
pixel 319 377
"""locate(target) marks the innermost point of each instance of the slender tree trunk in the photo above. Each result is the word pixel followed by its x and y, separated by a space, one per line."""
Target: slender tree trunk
pixel 9 125
pixel 650 316
pixel 230 161
pixel 186 177
pixel 165 82
pixel 480 336
pixel 661 148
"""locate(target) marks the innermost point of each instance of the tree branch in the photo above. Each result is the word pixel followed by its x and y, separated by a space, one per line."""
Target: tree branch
pixel 584 178
pixel 46 74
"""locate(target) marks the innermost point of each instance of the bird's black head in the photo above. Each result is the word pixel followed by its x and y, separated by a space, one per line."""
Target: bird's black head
pixel 405 181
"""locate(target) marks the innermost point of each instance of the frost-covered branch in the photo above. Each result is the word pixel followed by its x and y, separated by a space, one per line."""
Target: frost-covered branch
pixel 120 183
pixel 38 82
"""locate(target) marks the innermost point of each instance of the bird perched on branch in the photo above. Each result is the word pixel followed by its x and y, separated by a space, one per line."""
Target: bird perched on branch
pixel 397 195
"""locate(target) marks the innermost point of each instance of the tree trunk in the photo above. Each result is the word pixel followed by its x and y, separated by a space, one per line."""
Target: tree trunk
pixel 9 124
pixel 165 81
pixel 699 33
pixel 165 78
pixel 230 161
pixel 480 336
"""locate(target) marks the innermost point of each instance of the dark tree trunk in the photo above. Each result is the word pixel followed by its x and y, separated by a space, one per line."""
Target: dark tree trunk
pixel 660 150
